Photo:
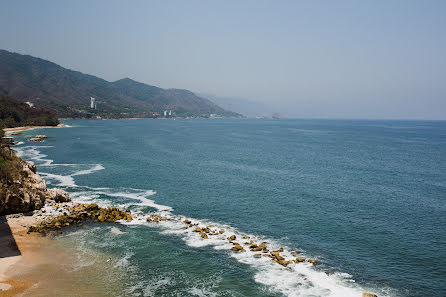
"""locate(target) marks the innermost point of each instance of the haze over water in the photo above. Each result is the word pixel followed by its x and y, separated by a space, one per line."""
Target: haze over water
pixel 366 198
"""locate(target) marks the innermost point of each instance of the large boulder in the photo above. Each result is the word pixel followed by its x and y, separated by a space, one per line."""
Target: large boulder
pixel 26 190
pixel 58 195
pixel 21 198
pixel 238 248
pixel 31 166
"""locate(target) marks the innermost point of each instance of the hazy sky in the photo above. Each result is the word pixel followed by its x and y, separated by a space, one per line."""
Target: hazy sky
pixel 355 59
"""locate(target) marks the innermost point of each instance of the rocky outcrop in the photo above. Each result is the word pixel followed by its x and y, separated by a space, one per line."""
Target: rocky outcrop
pixel 38 138
pixel 76 213
pixel 23 190
pixel 58 195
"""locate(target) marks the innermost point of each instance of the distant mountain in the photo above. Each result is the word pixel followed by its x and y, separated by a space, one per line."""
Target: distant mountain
pixel 245 107
pixel 49 85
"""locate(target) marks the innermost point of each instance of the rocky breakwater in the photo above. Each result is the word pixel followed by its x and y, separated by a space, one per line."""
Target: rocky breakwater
pixel 21 188
pixel 55 216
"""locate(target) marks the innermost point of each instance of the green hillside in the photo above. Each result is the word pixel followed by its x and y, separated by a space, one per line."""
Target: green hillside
pixel 68 92
pixel 14 113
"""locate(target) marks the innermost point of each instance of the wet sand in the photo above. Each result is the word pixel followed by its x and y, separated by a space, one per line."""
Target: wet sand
pixel 18 247
pixel 49 266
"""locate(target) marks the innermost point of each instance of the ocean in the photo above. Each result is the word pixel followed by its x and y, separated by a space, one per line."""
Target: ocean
pixel 366 198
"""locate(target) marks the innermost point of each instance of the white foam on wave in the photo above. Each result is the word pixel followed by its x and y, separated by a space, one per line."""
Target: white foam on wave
pixel 67 181
pixel 93 169
pixel 116 231
pixel 32 153
pixel 302 279
pixel 296 280
pixel 63 180
pixel 201 292
pixel 140 195
pixel 124 262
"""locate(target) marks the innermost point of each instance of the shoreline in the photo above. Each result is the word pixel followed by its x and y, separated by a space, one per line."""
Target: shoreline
pixel 238 243
pixel 24 128
pixel 28 245
pixel 41 253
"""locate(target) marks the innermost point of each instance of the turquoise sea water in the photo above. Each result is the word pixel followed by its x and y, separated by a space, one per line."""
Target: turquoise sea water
pixel 366 198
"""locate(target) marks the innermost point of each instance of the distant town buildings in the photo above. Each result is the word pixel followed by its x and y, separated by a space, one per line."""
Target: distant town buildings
pixel 168 113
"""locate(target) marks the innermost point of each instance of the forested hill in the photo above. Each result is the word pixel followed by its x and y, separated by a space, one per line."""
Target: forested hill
pixel 49 85
pixel 14 113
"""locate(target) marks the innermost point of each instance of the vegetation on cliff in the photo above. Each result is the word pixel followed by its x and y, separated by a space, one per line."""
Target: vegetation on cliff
pixel 14 113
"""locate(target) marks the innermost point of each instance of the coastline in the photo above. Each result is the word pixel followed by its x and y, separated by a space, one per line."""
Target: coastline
pixel 24 128
pixel 198 232
pixel 29 247
pixel 43 254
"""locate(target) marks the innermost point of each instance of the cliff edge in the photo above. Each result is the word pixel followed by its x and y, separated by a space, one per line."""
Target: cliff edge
pixel 21 188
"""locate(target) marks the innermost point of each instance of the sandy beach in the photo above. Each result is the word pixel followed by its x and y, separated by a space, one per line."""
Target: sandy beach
pixel 19 129
pixel 18 248
pixel 48 265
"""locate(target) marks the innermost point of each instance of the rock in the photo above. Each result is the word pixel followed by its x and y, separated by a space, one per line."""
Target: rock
pixel 368 295
pixel 299 260
pixel 58 195
pixel 312 261
pixel 187 221
pixel 221 231
pixel 35 139
pixel 284 263
pixel 232 237
pixel 204 235
pixel 38 138
pixel 26 190
pixel 276 255
pixel 198 229
pixel 295 252
pixel 79 212
pixel 257 248
pixel 238 248
pixel 31 166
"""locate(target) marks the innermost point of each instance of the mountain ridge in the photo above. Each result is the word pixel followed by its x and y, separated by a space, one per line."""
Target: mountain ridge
pixel 49 85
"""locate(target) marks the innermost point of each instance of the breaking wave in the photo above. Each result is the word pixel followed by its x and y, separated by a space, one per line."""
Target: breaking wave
pixel 296 279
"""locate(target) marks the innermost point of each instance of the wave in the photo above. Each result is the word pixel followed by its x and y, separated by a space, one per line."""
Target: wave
pixel 96 167
pixel 32 153
pixel 297 279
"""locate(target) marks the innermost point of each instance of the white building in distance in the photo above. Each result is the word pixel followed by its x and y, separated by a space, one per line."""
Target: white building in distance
pixel 92 103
